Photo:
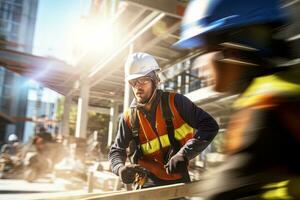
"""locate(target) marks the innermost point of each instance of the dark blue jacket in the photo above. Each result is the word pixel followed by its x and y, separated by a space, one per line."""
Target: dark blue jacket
pixel 205 125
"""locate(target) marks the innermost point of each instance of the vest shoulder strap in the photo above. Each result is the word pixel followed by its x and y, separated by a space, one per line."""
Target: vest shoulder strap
pixel 135 151
pixel 134 122
pixel 168 117
pixel 165 106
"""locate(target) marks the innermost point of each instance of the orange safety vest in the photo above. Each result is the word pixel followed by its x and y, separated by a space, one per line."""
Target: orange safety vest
pixel 155 144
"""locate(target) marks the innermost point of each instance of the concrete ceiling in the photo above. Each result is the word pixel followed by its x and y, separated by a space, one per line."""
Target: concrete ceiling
pixel 149 26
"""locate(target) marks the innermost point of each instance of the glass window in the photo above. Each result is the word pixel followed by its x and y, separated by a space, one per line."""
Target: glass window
pixel 17 11
pixel 6 102
pixel 1 76
pixel 16 15
pixel 13 37
pixel 6 10
pixel 19 1
pixel 15 29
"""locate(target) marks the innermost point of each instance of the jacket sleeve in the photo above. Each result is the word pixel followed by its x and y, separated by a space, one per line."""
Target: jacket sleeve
pixel 117 154
pixel 205 125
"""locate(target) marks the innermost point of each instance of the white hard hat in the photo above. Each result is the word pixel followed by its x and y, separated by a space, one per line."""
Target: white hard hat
pixel 139 64
pixel 12 137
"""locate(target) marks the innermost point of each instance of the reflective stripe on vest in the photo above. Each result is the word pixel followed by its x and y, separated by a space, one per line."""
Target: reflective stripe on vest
pixel 153 145
pixel 182 130
pixel 266 87
pixel 180 134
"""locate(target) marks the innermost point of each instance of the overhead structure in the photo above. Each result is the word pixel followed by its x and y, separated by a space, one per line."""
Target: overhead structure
pixel 152 26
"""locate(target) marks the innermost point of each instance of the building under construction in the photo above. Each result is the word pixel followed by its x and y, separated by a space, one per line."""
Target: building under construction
pixel 93 81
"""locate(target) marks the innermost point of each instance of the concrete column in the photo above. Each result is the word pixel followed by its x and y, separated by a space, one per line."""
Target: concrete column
pixel 66 115
pixel 82 109
pixel 187 81
pixel 128 96
pixel 113 123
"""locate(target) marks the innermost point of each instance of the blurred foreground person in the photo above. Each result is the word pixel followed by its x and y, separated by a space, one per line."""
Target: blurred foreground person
pixel 245 56
pixel 164 130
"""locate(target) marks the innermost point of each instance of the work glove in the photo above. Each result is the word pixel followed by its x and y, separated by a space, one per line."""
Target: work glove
pixel 177 163
pixel 127 173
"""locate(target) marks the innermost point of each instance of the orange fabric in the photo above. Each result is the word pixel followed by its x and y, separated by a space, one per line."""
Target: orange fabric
pixel 188 137
pixel 127 117
pixel 267 101
pixel 235 133
pixel 177 120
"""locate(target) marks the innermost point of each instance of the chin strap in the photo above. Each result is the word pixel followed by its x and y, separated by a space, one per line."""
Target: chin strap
pixel 155 82
pixel 149 101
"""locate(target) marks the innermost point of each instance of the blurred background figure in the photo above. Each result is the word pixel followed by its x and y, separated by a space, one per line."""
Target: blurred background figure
pixel 11 158
pixel 245 54
pixel 48 153
pixel 13 146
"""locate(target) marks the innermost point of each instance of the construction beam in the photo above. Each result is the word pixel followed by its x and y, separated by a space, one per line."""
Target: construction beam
pixel 99 98
pixel 158 39
pixel 30 61
pixel 201 94
pixel 105 94
pixel 5 119
pixel 142 27
pixel 174 8
pixel 99 110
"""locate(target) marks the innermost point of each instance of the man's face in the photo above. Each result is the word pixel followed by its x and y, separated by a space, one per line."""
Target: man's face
pixel 142 88
pixel 223 75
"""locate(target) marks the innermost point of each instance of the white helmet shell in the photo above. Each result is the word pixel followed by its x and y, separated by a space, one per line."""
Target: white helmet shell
pixel 139 64
pixel 12 137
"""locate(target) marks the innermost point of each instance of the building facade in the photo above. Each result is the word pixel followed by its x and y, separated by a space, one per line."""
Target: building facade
pixel 17 25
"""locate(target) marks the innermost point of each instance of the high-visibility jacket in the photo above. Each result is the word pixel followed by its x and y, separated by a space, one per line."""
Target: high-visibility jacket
pixel 262 140
pixel 155 144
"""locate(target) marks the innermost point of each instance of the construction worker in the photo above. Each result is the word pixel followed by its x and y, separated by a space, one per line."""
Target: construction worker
pixel 246 56
pixel 165 130
pixel 13 146
pixel 11 158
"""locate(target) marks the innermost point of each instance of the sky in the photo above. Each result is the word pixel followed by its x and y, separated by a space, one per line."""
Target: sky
pixel 55 19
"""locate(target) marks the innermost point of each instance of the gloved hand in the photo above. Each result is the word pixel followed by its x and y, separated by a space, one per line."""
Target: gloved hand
pixel 178 163
pixel 127 173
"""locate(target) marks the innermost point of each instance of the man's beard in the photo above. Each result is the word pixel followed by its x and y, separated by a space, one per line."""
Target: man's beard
pixel 143 99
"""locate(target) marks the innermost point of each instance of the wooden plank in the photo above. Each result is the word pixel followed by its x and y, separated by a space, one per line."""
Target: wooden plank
pixel 157 193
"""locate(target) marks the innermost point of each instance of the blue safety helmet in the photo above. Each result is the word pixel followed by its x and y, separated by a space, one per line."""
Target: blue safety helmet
pixel 205 16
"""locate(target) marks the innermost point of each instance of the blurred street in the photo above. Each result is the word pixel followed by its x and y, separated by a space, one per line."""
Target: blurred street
pixel 21 189
pixel 49 185
pixel 16 189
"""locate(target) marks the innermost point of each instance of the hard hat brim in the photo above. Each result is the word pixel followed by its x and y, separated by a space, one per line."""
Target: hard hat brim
pixel 138 75
pixel 193 37
pixel 189 43
pixel 134 76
